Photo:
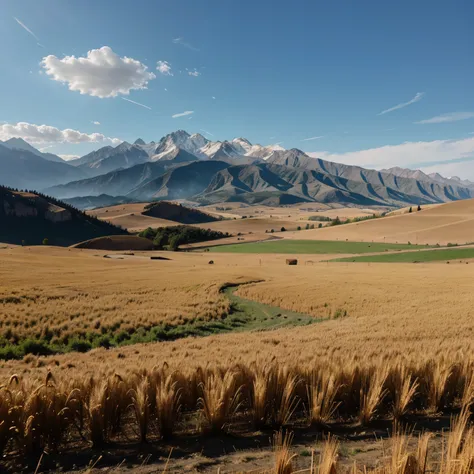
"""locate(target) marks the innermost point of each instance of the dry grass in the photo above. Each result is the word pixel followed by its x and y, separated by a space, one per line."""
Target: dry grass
pixel 69 407
pixel 129 216
pixel 405 348
pixel 283 455
pixel 59 295
pixel 219 400
pixel 322 392
pixel 452 222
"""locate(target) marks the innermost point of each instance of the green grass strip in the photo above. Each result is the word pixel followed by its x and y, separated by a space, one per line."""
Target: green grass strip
pixel 312 247
pixel 410 257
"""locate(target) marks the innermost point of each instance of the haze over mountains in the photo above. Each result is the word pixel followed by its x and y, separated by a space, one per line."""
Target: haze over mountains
pixel 184 166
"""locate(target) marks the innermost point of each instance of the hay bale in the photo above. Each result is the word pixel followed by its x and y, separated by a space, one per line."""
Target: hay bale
pixel 291 261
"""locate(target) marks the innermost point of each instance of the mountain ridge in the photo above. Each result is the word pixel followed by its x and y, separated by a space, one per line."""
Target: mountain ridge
pixel 184 166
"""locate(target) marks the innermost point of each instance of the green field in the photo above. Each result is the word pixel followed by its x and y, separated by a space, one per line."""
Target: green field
pixel 421 256
pixel 311 247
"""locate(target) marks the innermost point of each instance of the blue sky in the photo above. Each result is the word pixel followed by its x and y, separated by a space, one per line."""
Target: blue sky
pixel 270 71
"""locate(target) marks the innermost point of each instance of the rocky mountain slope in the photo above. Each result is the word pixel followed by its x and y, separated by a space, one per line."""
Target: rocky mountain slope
pixel 110 158
pixel 23 169
pixel 184 166
pixel 20 144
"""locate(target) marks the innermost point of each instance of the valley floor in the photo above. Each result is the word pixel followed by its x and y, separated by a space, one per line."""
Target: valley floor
pixel 369 316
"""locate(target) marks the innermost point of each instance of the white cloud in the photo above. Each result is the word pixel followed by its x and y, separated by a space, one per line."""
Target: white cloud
pixel 206 132
pixel 137 103
pixel 43 134
pixel 452 117
pixel 418 97
pixel 45 148
pixel 69 157
pixel 194 73
pixel 312 138
pixel 213 97
pixel 164 67
pixel 181 41
pixel 27 29
pixel 101 74
pixel 183 114
pixel 96 123
pixel 434 155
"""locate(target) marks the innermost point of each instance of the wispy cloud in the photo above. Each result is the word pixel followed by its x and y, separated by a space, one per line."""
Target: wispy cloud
pixel 194 73
pixel 418 97
pixel 279 143
pixel 181 41
pixel 452 117
pixel 27 29
pixel 137 103
pixel 312 138
pixel 95 122
pixel 206 132
pixel 164 67
pixel 45 148
pixel 183 114
pixel 213 97
pixel 411 155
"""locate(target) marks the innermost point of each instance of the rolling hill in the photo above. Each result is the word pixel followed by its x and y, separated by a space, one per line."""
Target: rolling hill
pixel 29 218
pixel 178 213
pixel 92 202
pixel 447 223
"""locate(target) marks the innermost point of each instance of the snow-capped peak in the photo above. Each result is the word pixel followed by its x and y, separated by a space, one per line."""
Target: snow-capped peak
pixel 203 148
pixel 242 145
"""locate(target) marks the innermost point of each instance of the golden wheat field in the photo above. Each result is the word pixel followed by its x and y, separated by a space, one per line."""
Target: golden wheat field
pixel 452 222
pixel 391 351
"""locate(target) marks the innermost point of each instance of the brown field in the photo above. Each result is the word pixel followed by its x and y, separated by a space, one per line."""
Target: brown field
pixel 74 290
pixel 69 292
pixel 129 216
pixel 447 223
pixel 394 347
pixel 405 210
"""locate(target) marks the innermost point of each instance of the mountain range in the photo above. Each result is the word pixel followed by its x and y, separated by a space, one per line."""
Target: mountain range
pixel 22 166
pixel 191 167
